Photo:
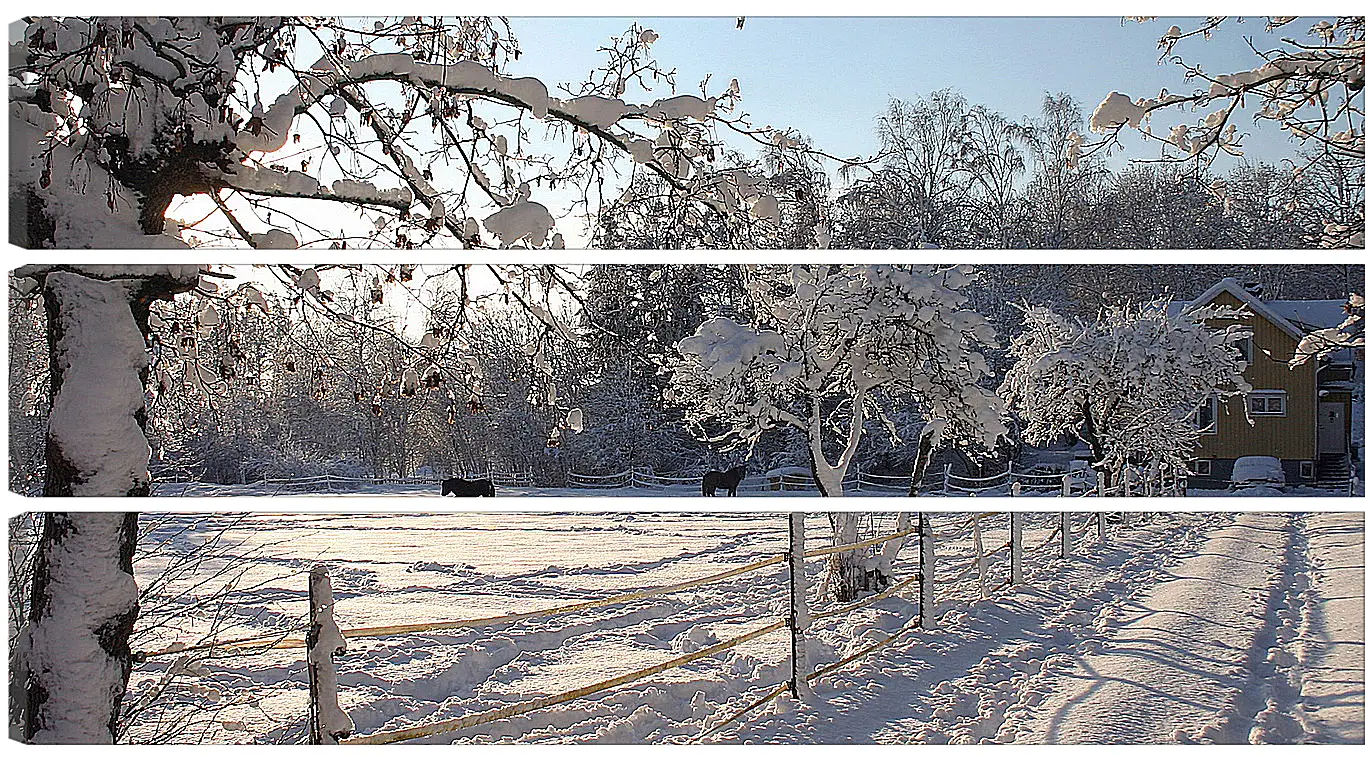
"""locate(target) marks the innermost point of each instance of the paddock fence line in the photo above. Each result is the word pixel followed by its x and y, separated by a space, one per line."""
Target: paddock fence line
pixel 990 570
pixel 319 484
pixel 1010 481
pixel 940 482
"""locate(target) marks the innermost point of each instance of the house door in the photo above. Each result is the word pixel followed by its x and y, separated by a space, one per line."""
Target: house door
pixel 1331 428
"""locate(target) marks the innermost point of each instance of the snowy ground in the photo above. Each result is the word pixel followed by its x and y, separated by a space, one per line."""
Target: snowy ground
pixel 1186 627
pixel 365 488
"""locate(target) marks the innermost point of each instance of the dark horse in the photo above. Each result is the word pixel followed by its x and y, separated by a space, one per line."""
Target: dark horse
pixel 729 480
pixel 461 487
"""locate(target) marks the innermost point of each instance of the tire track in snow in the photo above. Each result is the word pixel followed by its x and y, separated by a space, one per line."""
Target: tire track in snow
pixel 1176 667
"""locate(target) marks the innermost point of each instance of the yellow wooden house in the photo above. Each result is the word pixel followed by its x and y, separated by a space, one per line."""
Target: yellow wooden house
pixel 1300 415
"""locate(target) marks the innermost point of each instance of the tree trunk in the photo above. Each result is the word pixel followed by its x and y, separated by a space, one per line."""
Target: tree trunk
pixel 75 645
pixel 847 576
pixel 97 358
pixel 84 600
pixel 886 561
pixel 1099 455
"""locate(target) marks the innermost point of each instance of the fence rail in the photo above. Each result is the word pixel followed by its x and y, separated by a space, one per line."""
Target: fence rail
pixel 942 482
pixel 322 645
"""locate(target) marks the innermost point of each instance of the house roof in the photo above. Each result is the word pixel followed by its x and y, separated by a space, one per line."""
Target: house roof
pixel 1295 318
pixel 1311 315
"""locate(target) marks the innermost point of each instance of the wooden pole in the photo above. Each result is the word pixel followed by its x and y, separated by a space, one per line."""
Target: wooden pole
pixel 1066 535
pixel 926 573
pixel 798 616
pixel 327 722
pixel 1016 547
pixel 979 551
pixel 314 727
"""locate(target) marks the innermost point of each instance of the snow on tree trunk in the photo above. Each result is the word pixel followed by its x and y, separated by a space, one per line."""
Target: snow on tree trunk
pixel 95 442
pixel 98 362
pixel 847 570
pixel 325 642
pixel 75 645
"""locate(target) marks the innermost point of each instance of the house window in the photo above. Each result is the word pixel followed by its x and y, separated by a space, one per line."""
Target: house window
pixel 1201 467
pixel 1306 470
pixel 1206 418
pixel 1244 348
pixel 1268 404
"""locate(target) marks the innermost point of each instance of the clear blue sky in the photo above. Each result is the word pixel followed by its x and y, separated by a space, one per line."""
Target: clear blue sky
pixel 830 77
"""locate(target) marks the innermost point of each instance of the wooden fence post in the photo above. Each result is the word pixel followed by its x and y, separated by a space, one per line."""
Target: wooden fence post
pixel 798 618
pixel 1066 535
pixel 327 721
pixel 1066 485
pixel 979 551
pixel 1016 547
pixel 1102 526
pixel 926 573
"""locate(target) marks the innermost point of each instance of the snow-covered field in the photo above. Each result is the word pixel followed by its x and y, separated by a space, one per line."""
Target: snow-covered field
pixel 433 488
pixel 1185 627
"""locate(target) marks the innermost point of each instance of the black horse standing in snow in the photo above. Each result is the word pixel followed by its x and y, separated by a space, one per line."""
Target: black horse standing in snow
pixel 729 480
pixel 462 487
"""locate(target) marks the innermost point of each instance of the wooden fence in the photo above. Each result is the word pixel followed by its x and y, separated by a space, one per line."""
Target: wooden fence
pixel 1129 482
pixel 976 573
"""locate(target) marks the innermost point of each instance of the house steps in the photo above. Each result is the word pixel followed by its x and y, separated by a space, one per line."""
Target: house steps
pixel 1334 472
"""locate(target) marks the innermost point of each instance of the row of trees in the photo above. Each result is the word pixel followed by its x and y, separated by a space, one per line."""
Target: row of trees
pixel 395 371
pixel 407 132
pixel 956 175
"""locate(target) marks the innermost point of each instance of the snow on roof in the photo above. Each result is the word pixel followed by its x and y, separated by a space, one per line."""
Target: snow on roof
pixel 788 472
pixel 1293 317
pixel 1311 315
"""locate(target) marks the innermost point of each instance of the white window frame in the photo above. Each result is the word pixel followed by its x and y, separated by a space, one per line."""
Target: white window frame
pixel 1308 470
pixel 1201 467
pixel 1267 393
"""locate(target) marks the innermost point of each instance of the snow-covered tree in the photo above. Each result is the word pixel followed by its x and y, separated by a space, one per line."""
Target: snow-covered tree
pixel 1065 181
pixel 1309 82
pixel 274 132
pixel 1130 383
pixel 831 347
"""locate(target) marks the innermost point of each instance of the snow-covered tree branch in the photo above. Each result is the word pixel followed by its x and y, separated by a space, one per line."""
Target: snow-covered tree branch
pixel 1309 84
pixel 229 119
